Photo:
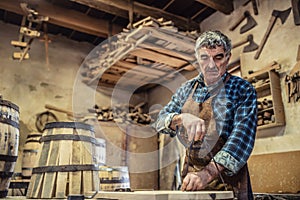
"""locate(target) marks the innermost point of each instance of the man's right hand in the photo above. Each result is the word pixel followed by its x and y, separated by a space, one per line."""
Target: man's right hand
pixel 194 126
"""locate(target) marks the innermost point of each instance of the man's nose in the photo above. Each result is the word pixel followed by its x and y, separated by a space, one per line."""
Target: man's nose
pixel 211 63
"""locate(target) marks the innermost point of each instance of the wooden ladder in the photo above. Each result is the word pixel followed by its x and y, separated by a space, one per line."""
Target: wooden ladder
pixel 30 28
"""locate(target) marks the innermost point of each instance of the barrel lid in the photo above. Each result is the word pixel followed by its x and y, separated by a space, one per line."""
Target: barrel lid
pixel 76 125
pixel 9 104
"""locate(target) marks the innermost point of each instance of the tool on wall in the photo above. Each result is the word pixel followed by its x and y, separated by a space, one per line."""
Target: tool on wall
pixel 296 11
pixel 282 15
pixel 293 86
pixel 254 5
pixel 252 46
pixel 30 29
pixel 292 80
pixel 249 24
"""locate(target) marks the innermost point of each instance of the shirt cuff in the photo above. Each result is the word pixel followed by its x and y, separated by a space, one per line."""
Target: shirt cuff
pixel 168 121
pixel 229 162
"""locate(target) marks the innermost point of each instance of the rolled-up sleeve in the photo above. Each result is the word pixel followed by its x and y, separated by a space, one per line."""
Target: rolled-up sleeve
pixel 162 124
pixel 239 145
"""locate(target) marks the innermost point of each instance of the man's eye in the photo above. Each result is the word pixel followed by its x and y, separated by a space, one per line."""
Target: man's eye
pixel 204 57
pixel 219 57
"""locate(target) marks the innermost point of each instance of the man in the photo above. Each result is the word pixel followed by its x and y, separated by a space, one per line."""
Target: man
pixel 214 103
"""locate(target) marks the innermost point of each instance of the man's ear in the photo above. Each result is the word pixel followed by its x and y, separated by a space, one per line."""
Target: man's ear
pixel 228 57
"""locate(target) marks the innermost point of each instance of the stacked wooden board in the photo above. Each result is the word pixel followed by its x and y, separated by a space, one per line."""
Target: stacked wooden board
pixel 152 51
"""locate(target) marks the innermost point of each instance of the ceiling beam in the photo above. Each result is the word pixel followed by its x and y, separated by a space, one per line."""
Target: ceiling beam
pixel 103 7
pixel 64 17
pixel 224 6
pixel 142 10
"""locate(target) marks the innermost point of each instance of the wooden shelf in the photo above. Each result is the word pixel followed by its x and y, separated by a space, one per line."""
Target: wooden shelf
pixel 267 85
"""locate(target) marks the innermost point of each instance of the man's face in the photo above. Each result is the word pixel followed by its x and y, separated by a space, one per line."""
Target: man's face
pixel 213 63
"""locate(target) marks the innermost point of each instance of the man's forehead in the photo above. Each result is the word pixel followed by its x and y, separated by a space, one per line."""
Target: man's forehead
pixel 215 50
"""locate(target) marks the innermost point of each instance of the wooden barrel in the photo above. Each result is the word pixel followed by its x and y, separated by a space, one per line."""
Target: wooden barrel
pixel 100 152
pixel 114 178
pixel 30 152
pixel 66 163
pixel 9 142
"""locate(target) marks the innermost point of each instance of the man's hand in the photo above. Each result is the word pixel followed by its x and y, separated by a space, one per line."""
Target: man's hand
pixel 199 180
pixel 195 181
pixel 194 126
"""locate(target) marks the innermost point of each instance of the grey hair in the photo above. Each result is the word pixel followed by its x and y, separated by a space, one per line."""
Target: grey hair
pixel 212 39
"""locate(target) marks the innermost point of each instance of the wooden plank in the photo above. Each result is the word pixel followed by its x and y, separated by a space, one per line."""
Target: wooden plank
pixel 140 68
pixel 166 195
pixel 224 6
pixel 157 57
pixel 18 55
pixel 18 43
pixel 119 67
pixel 164 50
pixel 181 41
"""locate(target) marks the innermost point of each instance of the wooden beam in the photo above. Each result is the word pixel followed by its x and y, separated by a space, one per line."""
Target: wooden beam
pixel 64 17
pixel 224 6
pixel 143 10
pixel 103 7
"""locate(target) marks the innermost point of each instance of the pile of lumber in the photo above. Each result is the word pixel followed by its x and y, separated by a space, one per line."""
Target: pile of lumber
pixel 122 113
pixel 152 51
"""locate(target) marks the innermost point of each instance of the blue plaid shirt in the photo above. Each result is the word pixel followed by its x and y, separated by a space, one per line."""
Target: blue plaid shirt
pixel 235 112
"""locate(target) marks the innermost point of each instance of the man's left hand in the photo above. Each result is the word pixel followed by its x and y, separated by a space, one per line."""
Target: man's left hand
pixel 195 181
pixel 199 180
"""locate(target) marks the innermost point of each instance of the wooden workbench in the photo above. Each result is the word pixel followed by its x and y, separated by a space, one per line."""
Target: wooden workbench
pixel 165 195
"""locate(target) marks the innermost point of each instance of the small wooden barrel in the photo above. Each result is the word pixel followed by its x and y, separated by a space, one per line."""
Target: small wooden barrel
pixel 66 163
pixel 30 151
pixel 9 142
pixel 100 151
pixel 113 178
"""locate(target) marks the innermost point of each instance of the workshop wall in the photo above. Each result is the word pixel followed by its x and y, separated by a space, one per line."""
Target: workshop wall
pixel 32 83
pixel 281 46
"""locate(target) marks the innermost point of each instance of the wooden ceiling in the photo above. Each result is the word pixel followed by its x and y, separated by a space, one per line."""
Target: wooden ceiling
pixel 95 20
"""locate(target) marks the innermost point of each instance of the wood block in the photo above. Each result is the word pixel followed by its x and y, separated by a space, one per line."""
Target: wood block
pixel 18 43
pixel 18 55
pixel 28 32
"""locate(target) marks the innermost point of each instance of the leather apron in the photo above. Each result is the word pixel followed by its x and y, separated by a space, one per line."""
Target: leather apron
pixel 201 153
